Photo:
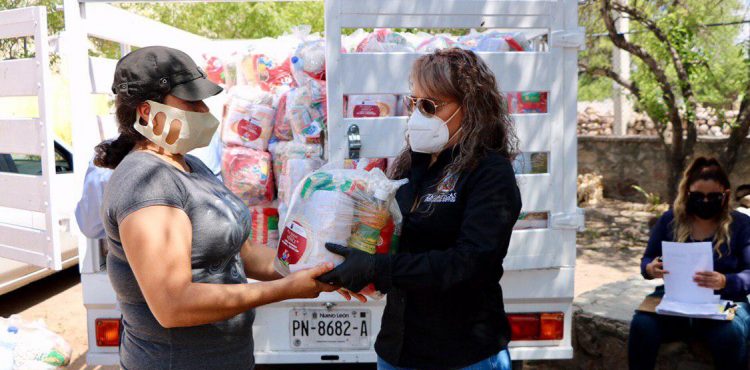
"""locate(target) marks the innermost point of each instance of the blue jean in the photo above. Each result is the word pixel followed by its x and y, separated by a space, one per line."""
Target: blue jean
pixel 727 340
pixel 499 361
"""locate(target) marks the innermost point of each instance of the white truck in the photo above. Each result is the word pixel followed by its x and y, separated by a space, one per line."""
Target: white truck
pixel 539 268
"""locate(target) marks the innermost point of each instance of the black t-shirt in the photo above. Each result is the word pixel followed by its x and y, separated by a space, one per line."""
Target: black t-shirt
pixel 445 304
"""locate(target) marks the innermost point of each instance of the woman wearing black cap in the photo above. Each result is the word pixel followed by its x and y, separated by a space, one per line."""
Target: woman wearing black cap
pixel 179 255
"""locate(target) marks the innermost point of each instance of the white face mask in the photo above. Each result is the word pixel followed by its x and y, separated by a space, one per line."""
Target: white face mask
pixel 428 134
pixel 196 131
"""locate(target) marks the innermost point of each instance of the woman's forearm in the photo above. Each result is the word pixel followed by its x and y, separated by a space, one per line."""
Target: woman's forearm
pixel 200 303
pixel 258 262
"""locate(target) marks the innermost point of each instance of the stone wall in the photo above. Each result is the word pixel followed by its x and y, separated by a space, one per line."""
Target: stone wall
pixel 639 160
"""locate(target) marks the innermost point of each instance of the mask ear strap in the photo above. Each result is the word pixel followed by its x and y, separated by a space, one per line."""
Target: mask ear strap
pixel 453 115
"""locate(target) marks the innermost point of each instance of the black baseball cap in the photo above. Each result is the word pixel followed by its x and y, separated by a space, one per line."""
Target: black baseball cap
pixel 159 68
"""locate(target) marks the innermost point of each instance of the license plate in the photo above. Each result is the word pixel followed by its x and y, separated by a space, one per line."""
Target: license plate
pixel 326 329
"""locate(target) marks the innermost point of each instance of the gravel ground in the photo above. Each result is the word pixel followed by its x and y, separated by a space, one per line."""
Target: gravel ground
pixel 609 250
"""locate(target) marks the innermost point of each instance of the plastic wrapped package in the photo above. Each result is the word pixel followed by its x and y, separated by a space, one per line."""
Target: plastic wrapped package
pixel 247 173
pixel 527 102
pixel 349 42
pixel 249 119
pixel 309 61
pixel 282 128
pixel 353 208
pixel 366 164
pixel 292 161
pixel 266 71
pixel 367 106
pixel 384 40
pixel 31 345
pixel 436 42
pixel 264 226
pixel 306 111
pixel 214 68
pixel 494 41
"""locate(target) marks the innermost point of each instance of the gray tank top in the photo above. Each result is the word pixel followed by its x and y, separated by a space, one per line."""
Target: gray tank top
pixel 221 224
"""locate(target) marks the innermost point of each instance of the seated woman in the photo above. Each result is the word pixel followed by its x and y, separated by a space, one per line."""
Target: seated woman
pixel 700 213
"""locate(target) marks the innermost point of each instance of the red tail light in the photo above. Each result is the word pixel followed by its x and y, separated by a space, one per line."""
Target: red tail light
pixel 108 332
pixel 537 326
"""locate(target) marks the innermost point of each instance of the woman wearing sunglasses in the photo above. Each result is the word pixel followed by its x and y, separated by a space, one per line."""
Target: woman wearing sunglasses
pixel 445 305
pixel 701 213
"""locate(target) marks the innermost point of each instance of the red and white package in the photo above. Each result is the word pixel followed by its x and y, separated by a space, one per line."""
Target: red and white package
pixel 248 174
pixel 371 106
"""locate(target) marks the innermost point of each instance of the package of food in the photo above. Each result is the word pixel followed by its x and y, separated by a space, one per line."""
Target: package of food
pixel 282 128
pixel 248 174
pixel 31 345
pixel 436 42
pixel 309 61
pixel 369 106
pixel 307 112
pixel 292 161
pixel 501 42
pixel 214 68
pixel 264 226
pixel 384 40
pixel 366 164
pixel 527 102
pixel 249 119
pixel 352 208
pixel 266 71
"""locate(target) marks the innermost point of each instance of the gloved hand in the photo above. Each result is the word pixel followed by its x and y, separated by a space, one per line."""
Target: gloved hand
pixel 358 269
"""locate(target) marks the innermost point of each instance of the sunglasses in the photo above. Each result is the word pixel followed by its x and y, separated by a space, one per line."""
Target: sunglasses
pixel 427 106
pixel 713 196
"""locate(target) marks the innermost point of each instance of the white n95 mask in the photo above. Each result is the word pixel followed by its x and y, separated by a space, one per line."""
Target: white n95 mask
pixel 428 134
pixel 196 131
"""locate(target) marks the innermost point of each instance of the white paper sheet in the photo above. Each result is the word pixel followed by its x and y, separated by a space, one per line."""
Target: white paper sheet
pixel 683 260
pixel 714 311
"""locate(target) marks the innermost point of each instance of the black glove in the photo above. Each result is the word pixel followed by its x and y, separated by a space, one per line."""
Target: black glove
pixel 358 269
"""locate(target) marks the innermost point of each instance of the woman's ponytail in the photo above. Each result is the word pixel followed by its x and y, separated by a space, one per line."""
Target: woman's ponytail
pixel 110 153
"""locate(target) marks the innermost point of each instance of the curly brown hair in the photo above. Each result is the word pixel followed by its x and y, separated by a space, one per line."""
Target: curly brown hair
pixel 486 125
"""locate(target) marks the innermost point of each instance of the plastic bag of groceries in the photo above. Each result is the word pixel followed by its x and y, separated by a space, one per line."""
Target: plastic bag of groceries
pixel 247 173
pixel 249 119
pixel 370 106
pixel 436 42
pixel 306 111
pixel 31 345
pixel 354 208
pixel 384 40
pixel 309 61
pixel 292 162
pixel 264 226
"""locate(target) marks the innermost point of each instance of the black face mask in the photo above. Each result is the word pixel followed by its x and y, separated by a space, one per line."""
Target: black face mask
pixel 705 207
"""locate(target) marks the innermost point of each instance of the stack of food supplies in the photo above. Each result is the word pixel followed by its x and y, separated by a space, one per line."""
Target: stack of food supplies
pixel 273 125
pixel 246 163
pixel 30 345
pixel 354 208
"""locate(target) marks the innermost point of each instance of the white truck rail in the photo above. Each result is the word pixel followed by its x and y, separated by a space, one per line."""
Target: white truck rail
pixel 33 244
pixel 540 264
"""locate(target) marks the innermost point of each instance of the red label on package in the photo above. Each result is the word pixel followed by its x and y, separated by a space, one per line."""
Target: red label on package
pixel 366 111
pixel 293 243
pixel 248 130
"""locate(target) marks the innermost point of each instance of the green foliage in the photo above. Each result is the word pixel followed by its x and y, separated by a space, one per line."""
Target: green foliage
pixel 24 47
pixel 248 20
pixel 594 89
pixel 715 63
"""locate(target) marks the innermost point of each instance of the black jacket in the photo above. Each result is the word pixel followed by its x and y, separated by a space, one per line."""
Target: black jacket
pixel 445 305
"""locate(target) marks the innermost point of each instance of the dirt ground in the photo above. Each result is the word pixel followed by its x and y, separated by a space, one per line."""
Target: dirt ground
pixel 609 250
